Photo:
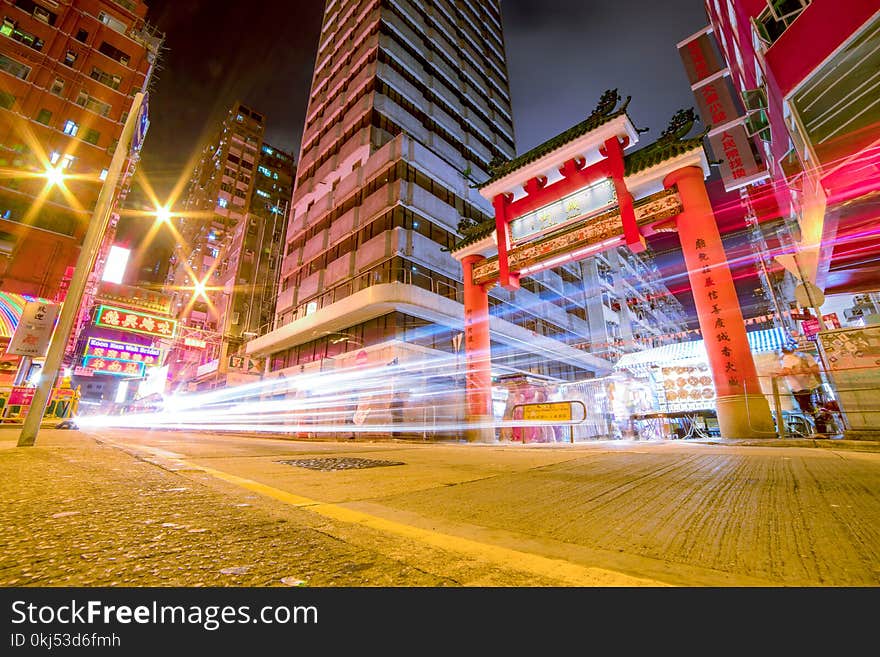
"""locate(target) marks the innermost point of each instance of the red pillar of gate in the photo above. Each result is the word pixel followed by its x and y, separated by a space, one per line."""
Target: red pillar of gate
pixel 613 150
pixel 506 278
pixel 478 389
pixel 743 411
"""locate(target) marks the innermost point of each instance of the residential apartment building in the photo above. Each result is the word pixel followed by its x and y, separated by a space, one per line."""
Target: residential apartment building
pixel 68 72
pixel 232 226
pixel 409 107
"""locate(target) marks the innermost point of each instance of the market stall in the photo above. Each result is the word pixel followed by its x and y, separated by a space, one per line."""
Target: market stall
pixel 681 382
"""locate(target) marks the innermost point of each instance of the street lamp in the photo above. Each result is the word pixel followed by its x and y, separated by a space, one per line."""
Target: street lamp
pixel 85 263
pixel 163 215
pixel 54 176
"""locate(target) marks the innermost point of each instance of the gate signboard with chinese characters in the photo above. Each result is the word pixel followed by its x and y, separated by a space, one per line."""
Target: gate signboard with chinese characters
pixel 135 322
pixel 583 195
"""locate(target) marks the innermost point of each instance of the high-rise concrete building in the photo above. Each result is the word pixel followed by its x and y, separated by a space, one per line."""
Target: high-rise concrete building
pixel 409 107
pixel 253 258
pixel 232 226
pixel 68 72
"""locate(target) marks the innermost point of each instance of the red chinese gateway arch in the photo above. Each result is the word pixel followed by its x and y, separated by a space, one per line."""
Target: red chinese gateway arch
pixel 579 194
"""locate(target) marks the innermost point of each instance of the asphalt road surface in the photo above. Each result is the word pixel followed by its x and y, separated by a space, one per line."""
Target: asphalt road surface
pixel 190 509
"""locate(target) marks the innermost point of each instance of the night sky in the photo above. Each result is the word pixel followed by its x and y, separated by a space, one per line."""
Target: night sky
pixel 562 54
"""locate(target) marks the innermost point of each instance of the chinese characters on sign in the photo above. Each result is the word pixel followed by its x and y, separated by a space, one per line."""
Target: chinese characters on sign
pixel 114 366
pixel 592 231
pixel 700 58
pixel 34 330
pixel 574 207
pixel 549 412
pixel 123 351
pixel 738 165
pixel 715 102
pixel 716 330
pixel 714 94
pixel 129 320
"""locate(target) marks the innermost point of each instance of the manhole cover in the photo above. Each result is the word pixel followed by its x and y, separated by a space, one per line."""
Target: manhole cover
pixel 340 463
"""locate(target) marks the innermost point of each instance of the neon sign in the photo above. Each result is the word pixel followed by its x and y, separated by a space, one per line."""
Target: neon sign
pixel 123 351
pixel 114 366
pixel 135 322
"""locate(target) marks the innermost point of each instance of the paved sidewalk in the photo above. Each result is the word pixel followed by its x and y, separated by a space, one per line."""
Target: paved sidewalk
pixel 77 512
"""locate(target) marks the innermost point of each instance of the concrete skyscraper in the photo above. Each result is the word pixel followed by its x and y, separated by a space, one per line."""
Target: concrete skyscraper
pixel 409 107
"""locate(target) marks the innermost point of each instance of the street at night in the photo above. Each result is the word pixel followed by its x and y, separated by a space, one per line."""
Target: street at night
pixel 198 509
pixel 339 308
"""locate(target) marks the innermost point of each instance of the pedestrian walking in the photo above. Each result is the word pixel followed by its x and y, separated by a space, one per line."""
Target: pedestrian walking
pixel 801 373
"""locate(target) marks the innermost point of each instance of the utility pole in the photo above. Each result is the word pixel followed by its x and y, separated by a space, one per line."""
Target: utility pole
pixel 85 263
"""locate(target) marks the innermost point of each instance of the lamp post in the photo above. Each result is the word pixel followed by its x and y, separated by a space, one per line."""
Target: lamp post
pixel 85 263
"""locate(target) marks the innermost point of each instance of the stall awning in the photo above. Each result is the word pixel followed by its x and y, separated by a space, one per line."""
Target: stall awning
pixel 759 341
pixel 677 352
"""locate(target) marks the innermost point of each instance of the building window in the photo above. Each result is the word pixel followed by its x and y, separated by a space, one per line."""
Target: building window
pixel 66 161
pixel 70 128
pixel 92 104
pixel 103 175
pixel 112 23
pixel 44 116
pixel 70 58
pixel 57 87
pixel 222 202
pixel 13 67
pixel 38 12
pixel 82 35
pixel 774 20
pixel 114 53
pixel 6 100
pixel 13 31
pixel 92 136
pixel 112 81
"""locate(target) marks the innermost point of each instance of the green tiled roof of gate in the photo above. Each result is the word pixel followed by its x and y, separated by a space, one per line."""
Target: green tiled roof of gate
pixel 658 152
pixel 582 128
pixel 644 158
pixel 475 234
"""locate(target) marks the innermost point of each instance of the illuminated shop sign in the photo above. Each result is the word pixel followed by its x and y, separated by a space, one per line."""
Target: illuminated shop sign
pixel 135 322
pixel 194 342
pixel 114 366
pixel 574 207
pixel 123 351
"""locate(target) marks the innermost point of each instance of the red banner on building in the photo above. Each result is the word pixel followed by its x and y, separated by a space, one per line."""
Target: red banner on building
pixel 717 104
pixel 715 101
pixel 733 147
pixel 700 57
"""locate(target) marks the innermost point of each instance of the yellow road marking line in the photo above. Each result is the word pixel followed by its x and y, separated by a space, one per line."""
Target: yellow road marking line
pixel 571 573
